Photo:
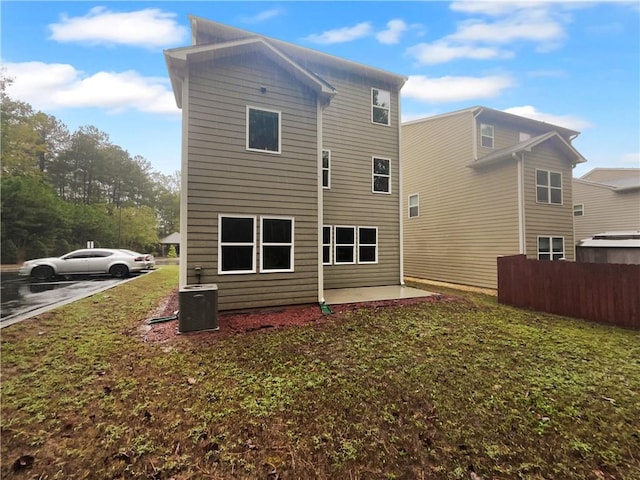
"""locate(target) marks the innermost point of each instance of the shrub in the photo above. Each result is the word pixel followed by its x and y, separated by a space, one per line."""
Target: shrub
pixel 172 252
pixel 9 252
pixel 37 249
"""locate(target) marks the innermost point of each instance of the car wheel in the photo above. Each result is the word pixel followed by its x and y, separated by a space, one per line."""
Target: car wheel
pixel 119 271
pixel 42 272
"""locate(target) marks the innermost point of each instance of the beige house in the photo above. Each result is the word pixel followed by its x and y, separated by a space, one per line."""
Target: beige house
pixel 480 183
pixel 290 169
pixel 606 200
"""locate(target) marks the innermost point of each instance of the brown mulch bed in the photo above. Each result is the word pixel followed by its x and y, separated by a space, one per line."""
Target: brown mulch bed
pixel 247 321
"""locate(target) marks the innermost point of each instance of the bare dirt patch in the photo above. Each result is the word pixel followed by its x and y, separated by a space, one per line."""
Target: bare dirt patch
pixel 247 321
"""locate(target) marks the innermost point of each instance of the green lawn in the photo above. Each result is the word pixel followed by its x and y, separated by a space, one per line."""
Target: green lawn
pixel 437 390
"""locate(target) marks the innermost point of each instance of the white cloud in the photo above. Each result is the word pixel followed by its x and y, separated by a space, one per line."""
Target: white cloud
pixel 57 86
pixel 392 34
pixel 567 121
pixel 341 35
pixel 454 89
pixel 442 52
pixel 264 15
pixel 631 160
pixel 149 28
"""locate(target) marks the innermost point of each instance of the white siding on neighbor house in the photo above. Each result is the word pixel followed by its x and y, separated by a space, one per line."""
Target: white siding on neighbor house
pixel 605 210
pixel 543 219
pixel 353 140
pixel 225 178
pixel 468 217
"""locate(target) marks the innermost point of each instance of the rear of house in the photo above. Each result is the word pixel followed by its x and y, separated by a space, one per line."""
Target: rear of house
pixel 606 200
pixel 282 196
pixel 481 183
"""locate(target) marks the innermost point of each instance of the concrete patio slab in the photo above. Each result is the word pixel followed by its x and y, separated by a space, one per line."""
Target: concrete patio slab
pixel 372 294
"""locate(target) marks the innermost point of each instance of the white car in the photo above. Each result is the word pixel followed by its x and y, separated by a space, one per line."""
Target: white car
pixel 86 261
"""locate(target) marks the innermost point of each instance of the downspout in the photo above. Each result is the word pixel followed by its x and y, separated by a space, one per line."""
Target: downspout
pixel 474 130
pixel 184 181
pixel 400 192
pixel 319 188
pixel 522 245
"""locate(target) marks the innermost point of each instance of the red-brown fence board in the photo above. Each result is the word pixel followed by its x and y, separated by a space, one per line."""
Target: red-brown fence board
pixel 602 292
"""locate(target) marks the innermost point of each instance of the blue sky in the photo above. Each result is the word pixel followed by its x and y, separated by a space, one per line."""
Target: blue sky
pixel 574 64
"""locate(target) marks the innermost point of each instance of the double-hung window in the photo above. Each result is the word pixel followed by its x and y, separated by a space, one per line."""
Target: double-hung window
pixel 367 245
pixel 550 248
pixel 276 244
pixel 380 106
pixel 414 205
pixel 326 168
pixel 548 187
pixel 486 135
pixel 237 245
pixel 326 245
pixel 344 245
pixel 381 170
pixel 263 130
pixel 578 210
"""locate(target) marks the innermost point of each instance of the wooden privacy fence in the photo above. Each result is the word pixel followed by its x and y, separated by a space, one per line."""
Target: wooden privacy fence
pixel 602 292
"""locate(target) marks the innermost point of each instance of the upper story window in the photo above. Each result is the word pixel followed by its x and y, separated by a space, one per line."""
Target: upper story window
pixel 550 248
pixel 263 130
pixel 276 245
pixel 524 136
pixel 578 210
pixel 414 205
pixel 486 135
pixel 381 175
pixel 548 187
pixel 326 168
pixel 380 106
pixel 236 246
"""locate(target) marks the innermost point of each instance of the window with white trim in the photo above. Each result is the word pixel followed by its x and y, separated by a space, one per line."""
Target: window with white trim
pixel 344 251
pixel 414 205
pixel 524 136
pixel 548 187
pixel 326 168
pixel 237 244
pixel 367 245
pixel 486 135
pixel 326 245
pixel 381 173
pixel 276 244
pixel 263 130
pixel 550 248
pixel 578 210
pixel 380 106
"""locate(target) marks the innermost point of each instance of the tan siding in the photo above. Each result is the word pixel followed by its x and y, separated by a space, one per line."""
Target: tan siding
pixel 353 140
pixel 225 178
pixel 543 219
pixel 467 217
pixel 606 174
pixel 605 209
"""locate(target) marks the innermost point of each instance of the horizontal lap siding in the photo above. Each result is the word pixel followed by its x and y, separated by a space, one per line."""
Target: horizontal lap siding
pixel 467 217
pixel 225 178
pixel 353 140
pixel 605 210
pixel 543 219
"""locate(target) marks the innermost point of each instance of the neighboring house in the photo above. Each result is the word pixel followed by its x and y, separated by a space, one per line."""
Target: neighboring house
pixel 480 183
pixel 166 242
pixel 290 169
pixel 606 200
pixel 610 247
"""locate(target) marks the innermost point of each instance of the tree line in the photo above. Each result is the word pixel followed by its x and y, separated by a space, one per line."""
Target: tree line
pixel 61 189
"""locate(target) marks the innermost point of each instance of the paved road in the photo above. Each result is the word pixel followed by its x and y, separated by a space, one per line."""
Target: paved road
pixel 23 298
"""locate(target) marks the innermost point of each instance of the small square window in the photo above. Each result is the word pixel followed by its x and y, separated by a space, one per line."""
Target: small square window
pixel 578 210
pixel 381 175
pixel 263 130
pixel 414 205
pixel 380 106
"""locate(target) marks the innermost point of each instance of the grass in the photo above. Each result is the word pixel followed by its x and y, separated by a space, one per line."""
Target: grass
pixel 434 391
